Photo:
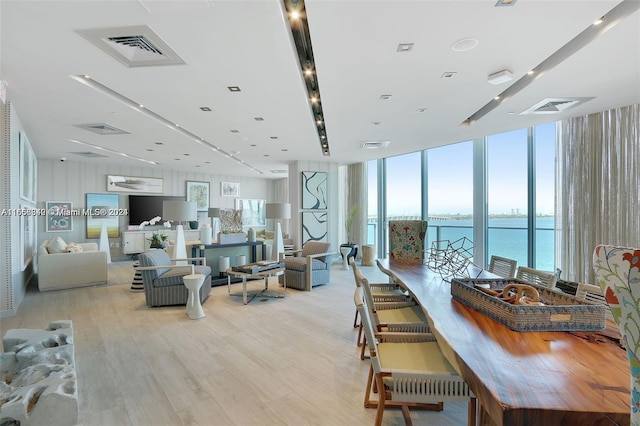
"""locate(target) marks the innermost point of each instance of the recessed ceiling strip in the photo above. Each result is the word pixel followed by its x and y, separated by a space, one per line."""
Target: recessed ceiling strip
pixel 160 119
pixel 610 20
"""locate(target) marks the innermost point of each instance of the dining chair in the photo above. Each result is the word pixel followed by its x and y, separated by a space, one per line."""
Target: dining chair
pixel 535 276
pixel 593 293
pixel 400 317
pixel 381 293
pixel 409 371
pixel 617 272
pixel 502 266
pixel 406 239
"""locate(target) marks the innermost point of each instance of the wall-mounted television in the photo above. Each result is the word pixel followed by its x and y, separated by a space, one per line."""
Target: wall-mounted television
pixel 145 207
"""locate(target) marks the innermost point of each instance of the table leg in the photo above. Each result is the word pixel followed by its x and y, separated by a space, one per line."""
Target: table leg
pixel 244 289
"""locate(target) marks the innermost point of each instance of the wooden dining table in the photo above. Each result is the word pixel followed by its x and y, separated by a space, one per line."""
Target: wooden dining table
pixel 524 378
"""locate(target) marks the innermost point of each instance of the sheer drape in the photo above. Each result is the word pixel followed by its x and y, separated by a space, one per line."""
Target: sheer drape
pixel 356 201
pixel 598 187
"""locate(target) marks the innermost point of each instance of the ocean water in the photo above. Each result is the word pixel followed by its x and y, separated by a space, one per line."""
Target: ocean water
pixel 507 237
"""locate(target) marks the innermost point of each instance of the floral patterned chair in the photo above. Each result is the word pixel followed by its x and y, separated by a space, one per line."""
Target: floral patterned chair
pixel 406 239
pixel 617 271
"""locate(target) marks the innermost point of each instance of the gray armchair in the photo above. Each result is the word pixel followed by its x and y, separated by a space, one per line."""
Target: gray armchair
pixel 311 268
pixel 162 279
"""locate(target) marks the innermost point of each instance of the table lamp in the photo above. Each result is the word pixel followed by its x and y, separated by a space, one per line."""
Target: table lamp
pixel 214 213
pixel 277 211
pixel 180 211
pixel 101 212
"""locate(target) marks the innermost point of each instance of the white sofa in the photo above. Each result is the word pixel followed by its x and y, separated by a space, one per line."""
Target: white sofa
pixel 57 271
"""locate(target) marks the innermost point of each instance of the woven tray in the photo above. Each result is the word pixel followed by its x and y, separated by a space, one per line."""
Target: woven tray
pixel 562 312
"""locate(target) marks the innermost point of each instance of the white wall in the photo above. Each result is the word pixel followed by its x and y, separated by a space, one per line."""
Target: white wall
pixel 71 180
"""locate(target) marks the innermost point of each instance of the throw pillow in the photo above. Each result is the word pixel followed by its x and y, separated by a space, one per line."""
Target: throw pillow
pixel 73 248
pixel 57 245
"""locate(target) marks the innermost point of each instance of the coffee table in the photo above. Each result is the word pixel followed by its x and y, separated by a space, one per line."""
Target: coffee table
pixel 257 275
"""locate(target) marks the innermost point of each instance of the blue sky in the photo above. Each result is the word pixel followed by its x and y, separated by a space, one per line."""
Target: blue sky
pixel 450 176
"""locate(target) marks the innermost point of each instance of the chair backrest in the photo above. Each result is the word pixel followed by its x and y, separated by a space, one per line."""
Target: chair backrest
pixel 315 247
pixel 406 239
pixel 357 274
pixel 617 272
pixel 534 276
pixel 502 266
pixel 154 258
pixel 392 277
pixel 593 293
pixel 369 303
pixel 367 327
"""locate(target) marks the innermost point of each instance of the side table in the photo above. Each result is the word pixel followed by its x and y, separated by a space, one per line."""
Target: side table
pixel 194 282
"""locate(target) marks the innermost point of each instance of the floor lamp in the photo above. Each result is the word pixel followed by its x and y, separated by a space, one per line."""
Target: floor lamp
pixel 180 211
pixel 214 214
pixel 277 211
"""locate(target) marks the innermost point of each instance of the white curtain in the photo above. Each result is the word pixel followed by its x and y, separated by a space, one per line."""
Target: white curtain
pixel 356 203
pixel 598 187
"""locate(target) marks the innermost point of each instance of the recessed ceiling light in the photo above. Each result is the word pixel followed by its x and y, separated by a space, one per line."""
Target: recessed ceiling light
pixel 449 74
pixel 149 149
pixel 385 97
pixel 505 3
pixel 375 123
pixel 265 155
pixel 253 144
pixel 308 72
pixel 421 110
pixel 234 131
pixel 599 21
pixel 159 143
pixel 233 88
pixel 177 159
pixel 314 99
pixel 274 137
pixel 197 165
pixel 295 14
pixel 205 108
pixel 464 44
pixel 258 118
pixel 207 162
pixel 187 154
pixel 284 150
pixel 405 47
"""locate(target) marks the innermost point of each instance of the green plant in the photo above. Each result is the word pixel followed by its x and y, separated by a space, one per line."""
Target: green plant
pixel 157 239
pixel 351 216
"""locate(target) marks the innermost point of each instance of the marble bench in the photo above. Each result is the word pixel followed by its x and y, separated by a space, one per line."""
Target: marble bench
pixel 38 384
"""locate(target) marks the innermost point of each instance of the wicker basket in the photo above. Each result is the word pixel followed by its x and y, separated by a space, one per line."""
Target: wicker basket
pixel 562 312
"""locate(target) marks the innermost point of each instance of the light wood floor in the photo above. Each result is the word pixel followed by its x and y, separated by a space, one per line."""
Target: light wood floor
pixel 274 361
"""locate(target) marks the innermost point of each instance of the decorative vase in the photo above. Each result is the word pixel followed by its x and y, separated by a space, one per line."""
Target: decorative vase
pixel 193 224
pixel 251 235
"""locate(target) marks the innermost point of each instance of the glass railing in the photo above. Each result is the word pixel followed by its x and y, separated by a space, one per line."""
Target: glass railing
pixel 507 241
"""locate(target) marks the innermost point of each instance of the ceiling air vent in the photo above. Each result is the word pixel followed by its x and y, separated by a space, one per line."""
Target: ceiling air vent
pixel 89 154
pixel 136 46
pixel 102 129
pixel 373 144
pixel 555 105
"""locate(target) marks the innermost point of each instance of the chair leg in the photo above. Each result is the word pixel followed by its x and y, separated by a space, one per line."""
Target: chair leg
pixel 355 320
pixel 367 394
pixel 471 416
pixel 406 415
pixel 359 341
pixel 364 346
pixel 381 399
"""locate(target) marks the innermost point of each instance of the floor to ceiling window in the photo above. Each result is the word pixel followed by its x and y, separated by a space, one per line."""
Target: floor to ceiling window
pixel 519 196
pixel 450 189
pixel 507 191
pixel 545 154
pixel 404 187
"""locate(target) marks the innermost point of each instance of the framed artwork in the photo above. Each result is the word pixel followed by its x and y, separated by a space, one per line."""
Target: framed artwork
pixel 116 183
pixel 198 192
pixel 59 216
pixel 253 213
pixel 27 236
pixel 314 190
pixel 103 207
pixel 314 226
pixel 28 169
pixel 229 189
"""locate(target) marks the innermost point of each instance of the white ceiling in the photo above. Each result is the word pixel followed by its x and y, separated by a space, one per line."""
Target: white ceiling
pixel 249 44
